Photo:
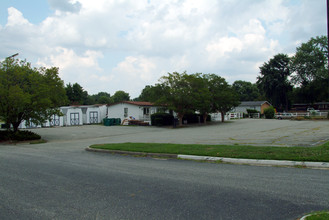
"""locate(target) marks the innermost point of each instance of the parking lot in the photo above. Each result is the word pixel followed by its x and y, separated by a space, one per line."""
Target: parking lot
pixel 259 132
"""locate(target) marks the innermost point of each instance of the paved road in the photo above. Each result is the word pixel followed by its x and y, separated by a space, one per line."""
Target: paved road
pixel 244 132
pixel 60 180
pixel 52 181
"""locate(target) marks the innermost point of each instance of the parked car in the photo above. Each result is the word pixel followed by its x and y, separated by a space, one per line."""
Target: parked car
pixel 312 110
pixel 283 115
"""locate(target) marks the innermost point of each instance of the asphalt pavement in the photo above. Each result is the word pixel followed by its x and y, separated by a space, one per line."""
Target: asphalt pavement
pixel 60 180
pixel 243 132
pixel 63 181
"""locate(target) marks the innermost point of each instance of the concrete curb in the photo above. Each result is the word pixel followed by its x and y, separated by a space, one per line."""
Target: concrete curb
pixel 323 165
pixel 258 162
pixel 132 153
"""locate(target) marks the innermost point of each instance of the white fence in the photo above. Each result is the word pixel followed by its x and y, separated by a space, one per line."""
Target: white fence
pixel 302 114
pixel 228 116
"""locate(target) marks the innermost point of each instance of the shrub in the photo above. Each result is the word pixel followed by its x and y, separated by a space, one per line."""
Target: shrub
pixel 269 112
pixel 195 118
pixel 18 136
pixel 161 119
pixel 252 111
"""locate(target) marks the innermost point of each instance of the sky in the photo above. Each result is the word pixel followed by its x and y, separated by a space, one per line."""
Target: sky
pixel 111 45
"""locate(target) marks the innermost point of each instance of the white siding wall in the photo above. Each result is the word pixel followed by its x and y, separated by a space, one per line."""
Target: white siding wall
pixel 67 117
pixel 117 111
pixel 244 108
pixel 103 112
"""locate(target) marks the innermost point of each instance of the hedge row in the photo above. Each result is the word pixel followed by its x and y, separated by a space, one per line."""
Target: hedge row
pixel 165 119
pixel 18 136
pixel 162 119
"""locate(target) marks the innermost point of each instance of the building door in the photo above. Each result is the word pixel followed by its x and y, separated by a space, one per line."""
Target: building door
pixel 125 112
pixel 54 121
pixel 74 119
pixel 93 117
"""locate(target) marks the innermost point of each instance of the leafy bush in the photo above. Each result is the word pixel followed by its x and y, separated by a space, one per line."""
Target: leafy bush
pixel 18 136
pixel 161 119
pixel 194 118
pixel 252 111
pixel 158 121
pixel 269 112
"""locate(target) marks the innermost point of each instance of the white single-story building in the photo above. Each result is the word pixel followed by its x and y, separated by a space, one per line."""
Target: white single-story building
pixel 93 114
pixel 72 115
pixel 256 105
pixel 132 110
pixel 24 124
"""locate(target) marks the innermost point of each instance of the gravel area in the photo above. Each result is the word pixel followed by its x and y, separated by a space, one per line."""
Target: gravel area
pixel 242 132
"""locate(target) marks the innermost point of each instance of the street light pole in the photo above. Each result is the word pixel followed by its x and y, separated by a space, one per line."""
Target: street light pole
pixel 328 41
pixel 12 56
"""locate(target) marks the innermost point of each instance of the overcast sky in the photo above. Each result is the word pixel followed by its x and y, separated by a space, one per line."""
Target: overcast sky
pixel 110 45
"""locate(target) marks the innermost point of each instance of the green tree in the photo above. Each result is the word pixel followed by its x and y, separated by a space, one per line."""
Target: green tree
pixel 223 96
pixel 150 93
pixel 31 94
pixel 101 98
pixel 310 71
pixel 76 94
pixel 247 91
pixel 201 95
pixel 119 96
pixel 273 81
pixel 269 112
pixel 186 94
pixel 177 94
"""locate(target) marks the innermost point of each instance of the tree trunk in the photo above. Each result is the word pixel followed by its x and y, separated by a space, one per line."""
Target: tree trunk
pixel 15 126
pixel 223 115
pixel 205 115
pixel 180 119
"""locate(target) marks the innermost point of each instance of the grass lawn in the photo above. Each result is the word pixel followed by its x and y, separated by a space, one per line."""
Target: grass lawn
pixel 324 215
pixel 319 153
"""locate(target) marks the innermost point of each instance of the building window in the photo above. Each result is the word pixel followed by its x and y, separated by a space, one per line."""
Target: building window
pixel 125 112
pixel 146 111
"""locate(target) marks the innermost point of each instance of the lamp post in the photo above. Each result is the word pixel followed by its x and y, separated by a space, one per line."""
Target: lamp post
pixel 12 56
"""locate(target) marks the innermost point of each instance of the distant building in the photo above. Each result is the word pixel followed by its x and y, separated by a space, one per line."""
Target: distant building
pixel 321 106
pixel 256 105
pixel 132 110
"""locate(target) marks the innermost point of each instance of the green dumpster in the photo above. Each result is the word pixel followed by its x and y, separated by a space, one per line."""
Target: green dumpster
pixel 111 121
pixel 106 121
pixel 117 121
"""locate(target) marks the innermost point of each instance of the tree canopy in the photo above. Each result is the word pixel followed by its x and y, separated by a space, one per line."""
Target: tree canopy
pixel 206 93
pixel 310 71
pixel 246 91
pixel 76 94
pixel 31 94
pixel 120 96
pixel 274 82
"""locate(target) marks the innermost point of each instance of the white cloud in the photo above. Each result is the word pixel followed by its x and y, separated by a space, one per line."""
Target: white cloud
pixel 15 18
pixel 147 39
pixel 65 5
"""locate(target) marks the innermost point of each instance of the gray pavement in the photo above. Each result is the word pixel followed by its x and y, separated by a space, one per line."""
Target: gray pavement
pixel 63 181
pixel 60 180
pixel 243 132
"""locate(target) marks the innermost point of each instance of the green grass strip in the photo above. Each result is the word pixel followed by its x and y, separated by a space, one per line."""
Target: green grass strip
pixel 319 153
pixel 324 215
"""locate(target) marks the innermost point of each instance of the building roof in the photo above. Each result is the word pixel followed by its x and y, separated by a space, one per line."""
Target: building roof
pixel 253 103
pixel 135 103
